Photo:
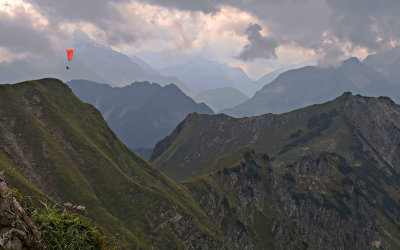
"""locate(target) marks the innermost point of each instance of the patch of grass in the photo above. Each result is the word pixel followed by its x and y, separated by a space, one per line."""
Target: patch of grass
pixel 316 124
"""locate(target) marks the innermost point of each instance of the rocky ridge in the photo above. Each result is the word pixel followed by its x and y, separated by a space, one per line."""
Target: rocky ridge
pixel 17 230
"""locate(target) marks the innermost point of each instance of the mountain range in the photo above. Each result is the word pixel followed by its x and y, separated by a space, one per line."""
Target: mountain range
pixel 309 85
pixel 141 113
pixel 200 74
pixel 325 176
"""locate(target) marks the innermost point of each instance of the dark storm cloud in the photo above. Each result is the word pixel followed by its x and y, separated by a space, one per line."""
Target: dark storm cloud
pixel 259 46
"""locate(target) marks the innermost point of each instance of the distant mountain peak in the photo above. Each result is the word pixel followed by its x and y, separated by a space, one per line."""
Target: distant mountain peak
pixel 352 60
pixel 346 95
pixel 81 39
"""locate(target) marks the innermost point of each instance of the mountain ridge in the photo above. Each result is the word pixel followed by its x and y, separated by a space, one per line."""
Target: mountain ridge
pixel 55 146
pixel 140 113
pixel 309 85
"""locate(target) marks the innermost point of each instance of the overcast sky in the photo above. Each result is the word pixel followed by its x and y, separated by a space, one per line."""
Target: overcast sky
pixel 257 35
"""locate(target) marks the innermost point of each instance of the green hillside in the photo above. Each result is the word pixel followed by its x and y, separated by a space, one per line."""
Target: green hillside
pixel 54 146
pixel 200 140
pixel 322 177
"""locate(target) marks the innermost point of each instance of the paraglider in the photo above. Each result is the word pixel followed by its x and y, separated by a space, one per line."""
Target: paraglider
pixel 70 54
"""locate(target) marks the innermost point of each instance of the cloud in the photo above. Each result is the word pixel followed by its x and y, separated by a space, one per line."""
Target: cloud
pixel 332 56
pixel 259 46
pixel 366 23
pixel 88 10
pixel 23 30
pixel 370 24
pixel 212 27
pixel 206 6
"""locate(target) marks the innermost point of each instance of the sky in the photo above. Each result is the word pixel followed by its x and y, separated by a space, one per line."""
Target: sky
pixel 257 35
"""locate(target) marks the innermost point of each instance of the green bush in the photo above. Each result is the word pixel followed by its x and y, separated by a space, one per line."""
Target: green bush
pixel 63 229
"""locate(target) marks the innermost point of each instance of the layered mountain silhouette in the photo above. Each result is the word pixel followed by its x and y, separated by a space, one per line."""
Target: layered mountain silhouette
pixel 222 98
pixel 200 74
pixel 141 114
pixel 310 85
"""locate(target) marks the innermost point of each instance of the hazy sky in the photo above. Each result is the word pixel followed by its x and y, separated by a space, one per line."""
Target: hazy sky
pixel 257 35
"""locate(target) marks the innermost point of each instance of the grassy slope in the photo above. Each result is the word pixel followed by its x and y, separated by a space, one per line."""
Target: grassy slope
pixel 69 153
pixel 272 138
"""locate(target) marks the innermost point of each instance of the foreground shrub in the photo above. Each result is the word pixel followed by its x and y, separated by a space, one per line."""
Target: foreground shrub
pixel 67 229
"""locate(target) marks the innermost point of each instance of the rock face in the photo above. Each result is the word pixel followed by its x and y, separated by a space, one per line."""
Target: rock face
pixel 317 203
pixel 17 230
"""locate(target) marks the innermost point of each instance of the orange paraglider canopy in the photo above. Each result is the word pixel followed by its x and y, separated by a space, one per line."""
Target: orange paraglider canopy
pixel 70 53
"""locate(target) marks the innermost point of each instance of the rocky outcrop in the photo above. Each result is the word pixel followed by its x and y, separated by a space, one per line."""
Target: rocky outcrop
pixel 313 203
pixel 322 218
pixel 183 227
pixel 17 230
pixel 234 215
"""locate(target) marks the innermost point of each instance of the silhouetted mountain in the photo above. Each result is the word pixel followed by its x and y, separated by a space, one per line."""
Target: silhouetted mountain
pixel 200 74
pixel 141 114
pixel 222 98
pixel 310 85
